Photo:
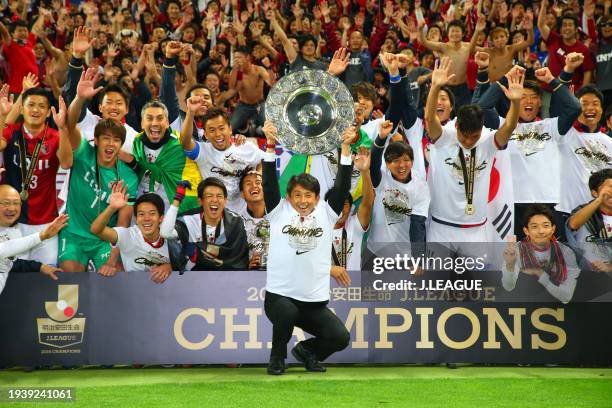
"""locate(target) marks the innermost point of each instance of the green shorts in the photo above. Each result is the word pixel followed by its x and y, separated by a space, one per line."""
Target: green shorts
pixel 76 248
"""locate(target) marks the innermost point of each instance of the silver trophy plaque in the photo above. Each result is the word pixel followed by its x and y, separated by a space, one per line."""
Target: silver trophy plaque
pixel 311 109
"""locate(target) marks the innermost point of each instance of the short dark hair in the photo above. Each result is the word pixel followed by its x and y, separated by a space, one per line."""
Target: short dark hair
pixel 249 171
pixel 212 114
pixel 608 112
pixel 117 88
pixel 38 91
pixel 598 178
pixel 211 181
pixel 152 198
pixel 305 180
pixel 17 23
pixel 533 86
pixel 569 16
pixel 590 89
pixel 364 89
pixel 470 118
pixel 303 39
pixel 199 86
pixel 116 128
pixel 456 23
pixel 395 150
pixel 243 50
pixel 537 209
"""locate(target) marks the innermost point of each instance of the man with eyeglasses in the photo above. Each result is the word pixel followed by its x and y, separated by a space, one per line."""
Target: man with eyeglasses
pixel 10 210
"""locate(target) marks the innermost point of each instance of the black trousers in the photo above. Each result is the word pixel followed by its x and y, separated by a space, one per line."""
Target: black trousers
pixel 313 317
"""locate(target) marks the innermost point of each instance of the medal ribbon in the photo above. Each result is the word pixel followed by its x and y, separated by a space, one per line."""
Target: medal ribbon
pixel 468 176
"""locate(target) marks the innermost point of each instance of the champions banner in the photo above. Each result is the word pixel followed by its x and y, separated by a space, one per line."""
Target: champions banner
pixel 218 317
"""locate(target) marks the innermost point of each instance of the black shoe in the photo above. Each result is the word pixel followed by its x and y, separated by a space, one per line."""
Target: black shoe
pixel 308 358
pixel 276 366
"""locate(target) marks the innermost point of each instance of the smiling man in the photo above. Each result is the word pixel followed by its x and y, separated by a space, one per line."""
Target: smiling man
pixel 255 223
pixel 159 160
pixel 461 162
pixel 219 157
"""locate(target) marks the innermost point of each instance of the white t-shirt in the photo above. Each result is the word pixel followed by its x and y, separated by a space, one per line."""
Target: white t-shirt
pixel 177 125
pixel 227 165
pixel 448 199
pixel 588 244
pixel 151 156
pixel 324 167
pixel 415 139
pixel 372 128
pixel 354 238
pixel 87 127
pixel 395 202
pixel 534 153
pixel 9 251
pixel 582 154
pixel 258 233
pixel 138 255
pixel 299 257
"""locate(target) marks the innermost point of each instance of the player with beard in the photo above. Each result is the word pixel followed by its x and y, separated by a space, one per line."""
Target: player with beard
pixel 142 247
pixel 534 144
pixel 255 224
pixel 540 255
pixel 168 95
pixel 461 162
pixel 590 225
pixel 297 284
pixel 33 153
pixel 159 160
pixel 219 157
pixel 217 238
pixel 12 243
pixel 95 169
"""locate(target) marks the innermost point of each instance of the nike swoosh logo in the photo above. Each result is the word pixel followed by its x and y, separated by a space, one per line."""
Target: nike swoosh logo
pixel 300 252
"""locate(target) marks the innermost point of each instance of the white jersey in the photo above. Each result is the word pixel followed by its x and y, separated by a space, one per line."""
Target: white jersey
pixel 534 153
pixel 395 202
pixel 87 127
pixel 582 154
pixel 372 128
pixel 137 254
pixel 299 257
pixel 347 243
pixel 9 251
pixel 448 198
pixel 415 139
pixel 227 165
pixel 591 246
pixel 177 125
pixel 324 167
pixel 258 233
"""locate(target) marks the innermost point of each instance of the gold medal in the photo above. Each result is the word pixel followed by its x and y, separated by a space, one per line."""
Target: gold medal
pixel 23 195
pixel 469 209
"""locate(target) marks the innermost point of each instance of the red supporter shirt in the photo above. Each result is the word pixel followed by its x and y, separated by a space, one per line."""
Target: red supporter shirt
pixel 557 50
pixel 21 61
pixel 41 206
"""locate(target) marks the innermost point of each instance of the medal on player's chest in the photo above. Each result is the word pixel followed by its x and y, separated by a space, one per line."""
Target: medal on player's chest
pixel 24 195
pixel 468 168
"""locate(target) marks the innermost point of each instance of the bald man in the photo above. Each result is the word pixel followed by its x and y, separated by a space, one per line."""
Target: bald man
pixel 10 210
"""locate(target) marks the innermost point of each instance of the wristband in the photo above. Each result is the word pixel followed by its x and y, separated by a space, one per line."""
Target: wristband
pixel 181 190
pixel 170 62
pixel 394 79
pixel 565 77
pixel 76 62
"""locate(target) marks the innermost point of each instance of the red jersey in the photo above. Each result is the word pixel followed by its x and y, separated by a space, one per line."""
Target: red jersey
pixel 41 205
pixel 21 61
pixel 557 50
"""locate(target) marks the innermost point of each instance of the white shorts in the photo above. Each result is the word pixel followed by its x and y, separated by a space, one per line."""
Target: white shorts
pixel 46 251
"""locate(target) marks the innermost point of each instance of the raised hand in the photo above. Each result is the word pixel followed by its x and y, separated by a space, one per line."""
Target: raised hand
pixel 81 42
pixel 112 51
pixel 324 9
pixel 271 133
pixel 59 116
pixel 481 24
pixel 572 61
pixel 195 103
pixel 514 92
pixel 6 100
pixel 441 74
pixel 482 60
pixel 349 135
pixel 388 10
pixel 119 196
pixel 544 75
pixel 362 159
pixel 339 62
pixel 385 129
pixel 390 62
pixel 173 49
pixel 85 87
pixel 377 114
pixel 54 227
pixel 29 81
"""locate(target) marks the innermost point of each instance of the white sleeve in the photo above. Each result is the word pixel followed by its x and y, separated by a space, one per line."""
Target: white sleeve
pixel 421 198
pixel 17 246
pixel 123 237
pixel 565 290
pixel 509 278
pixel 3 278
pixel 167 226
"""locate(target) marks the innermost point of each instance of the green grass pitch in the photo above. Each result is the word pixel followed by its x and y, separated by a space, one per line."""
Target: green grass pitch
pixel 341 386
